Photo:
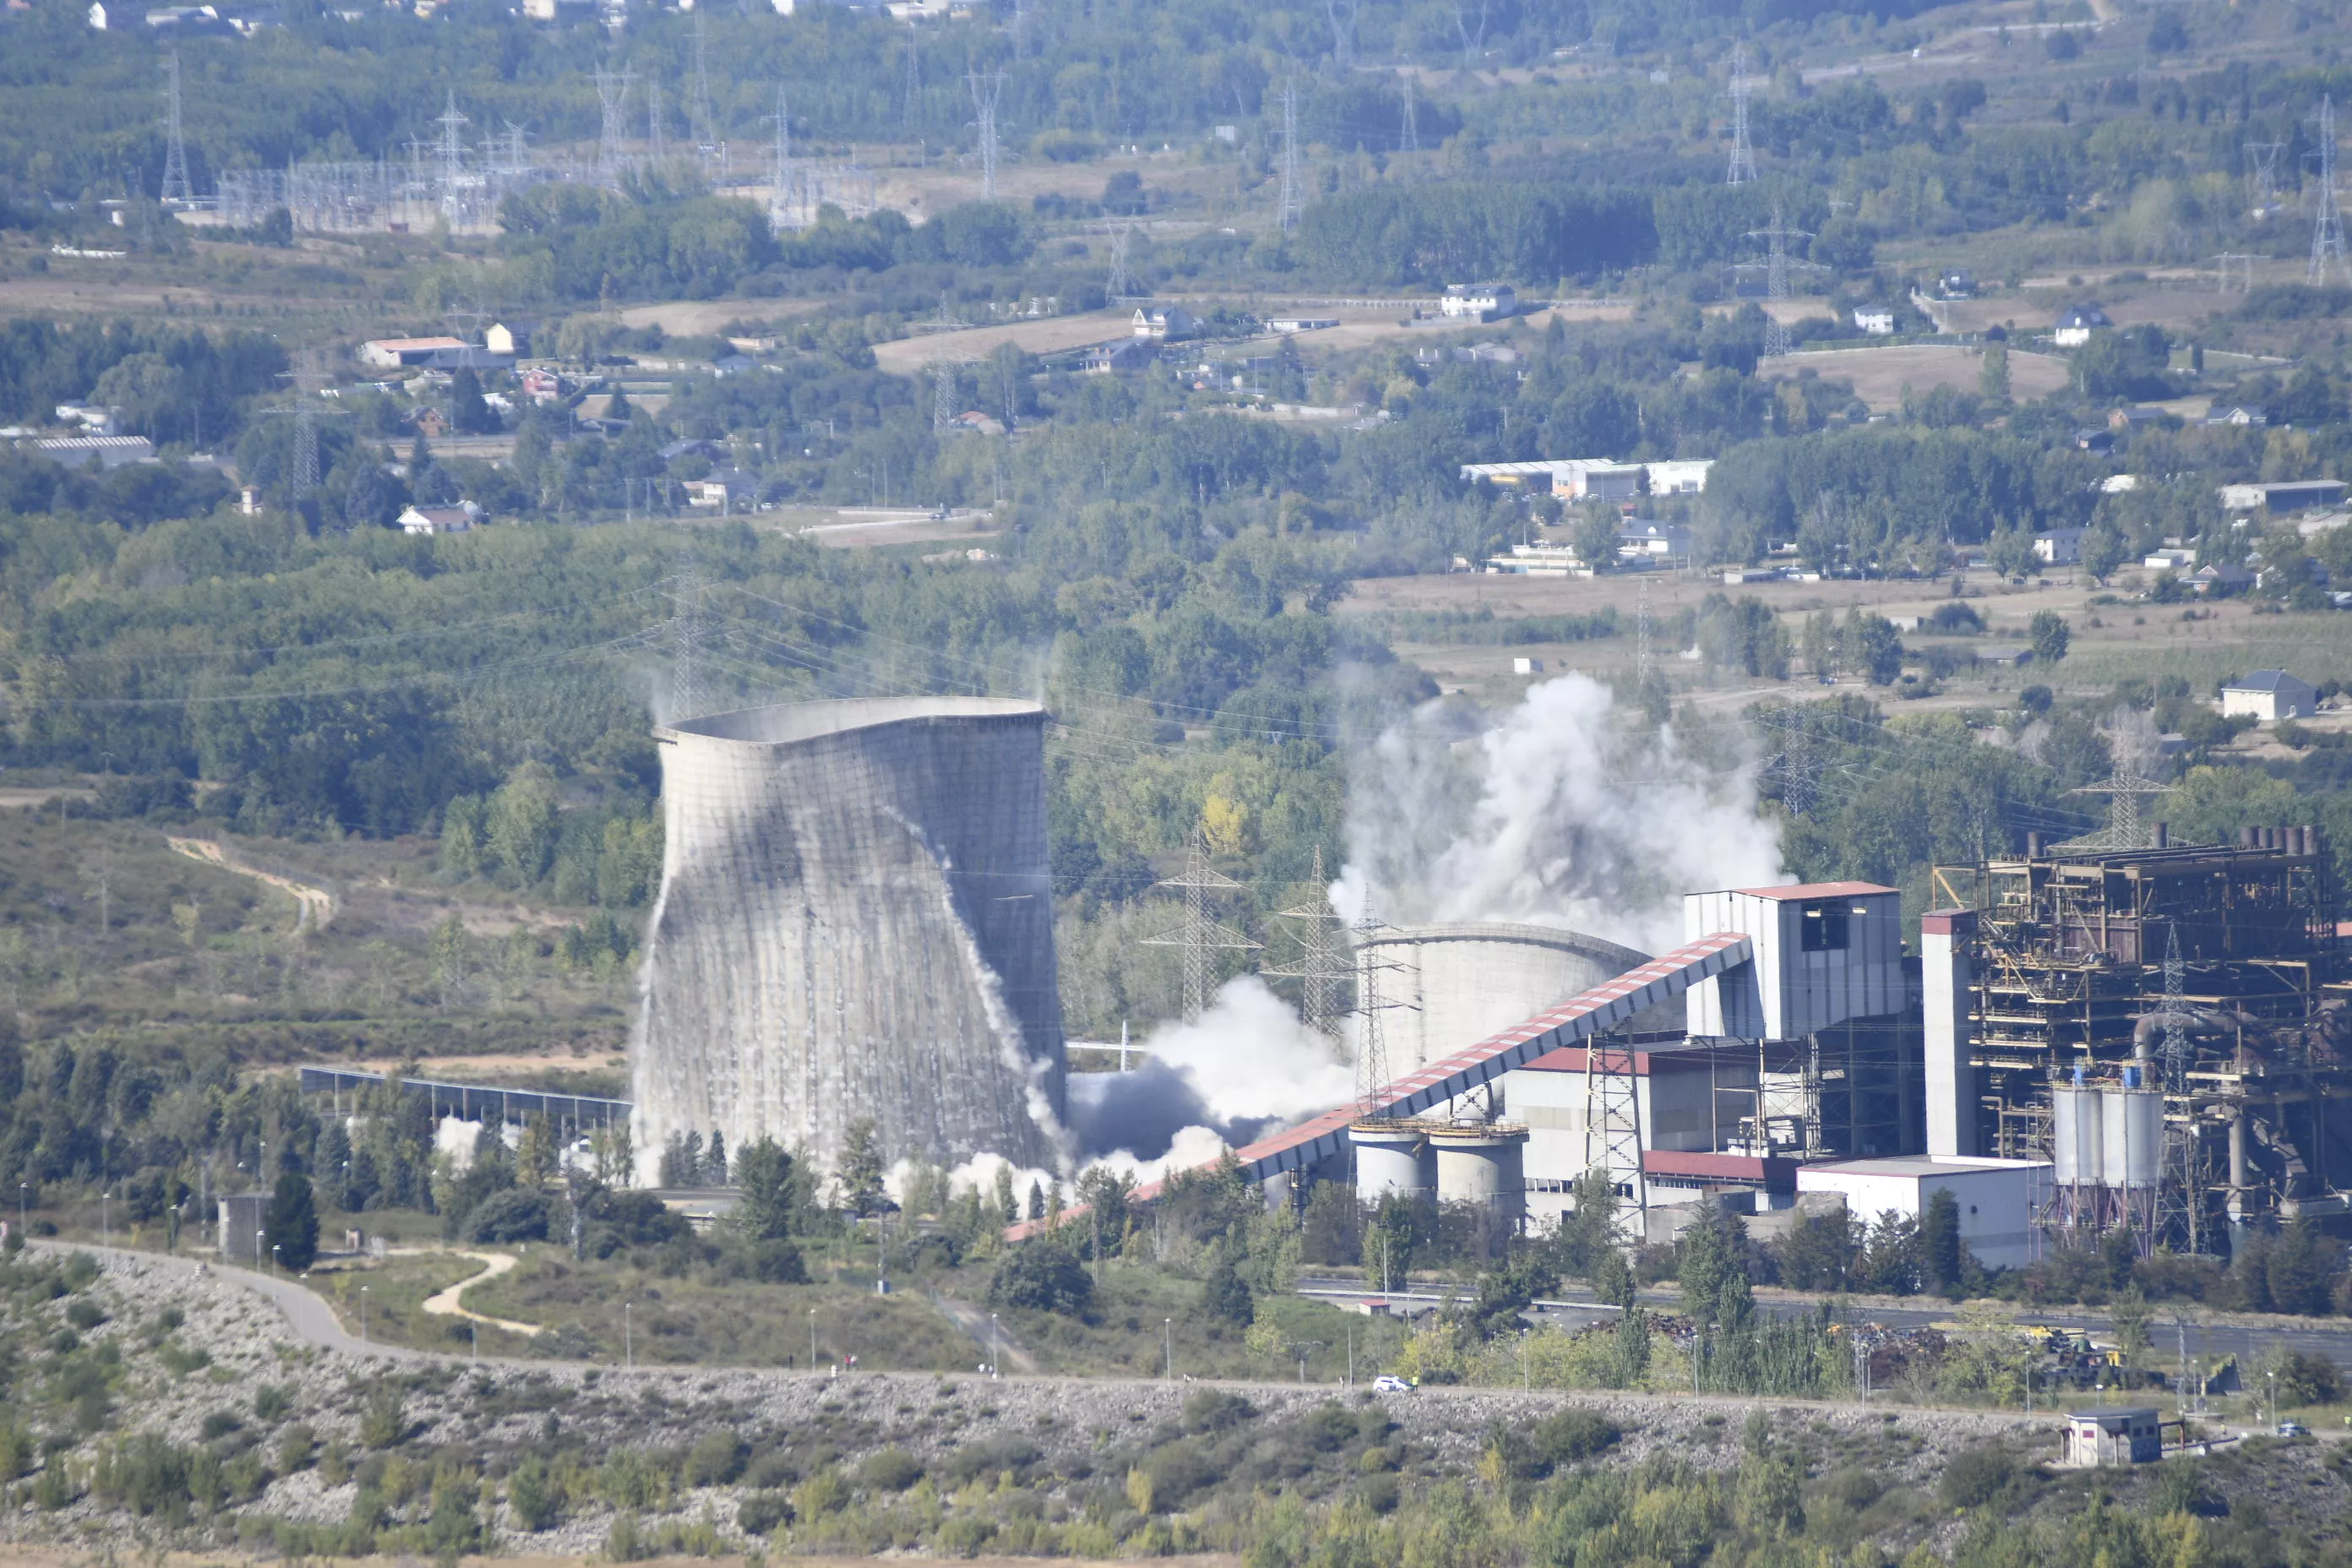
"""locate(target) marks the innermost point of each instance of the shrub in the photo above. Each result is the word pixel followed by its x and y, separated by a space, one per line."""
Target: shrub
pixel 1570 1436
pixel 533 1496
pixel 622 1542
pixel 1042 1276
pixel 384 1420
pixel 1975 1476
pixel 889 1471
pixel 715 1458
pixel 1214 1410
pixel 271 1401
pixel 760 1513
pixel 775 1262
pixel 85 1315
pixel 518 1214
pixel 220 1424
pixel 2309 1380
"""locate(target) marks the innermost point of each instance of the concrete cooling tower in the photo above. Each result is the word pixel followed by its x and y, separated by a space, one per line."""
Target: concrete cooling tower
pixel 1466 981
pixel 855 921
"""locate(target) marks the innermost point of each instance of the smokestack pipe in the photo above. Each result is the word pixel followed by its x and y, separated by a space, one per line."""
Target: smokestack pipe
pixel 2310 838
pixel 2247 838
pixel 2033 847
pixel 2164 835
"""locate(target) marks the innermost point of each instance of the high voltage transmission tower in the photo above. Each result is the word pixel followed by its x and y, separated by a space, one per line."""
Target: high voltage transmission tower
pixel 1287 214
pixel 1743 156
pixel 450 150
pixel 1410 141
pixel 176 186
pixel 1643 669
pixel 2327 222
pixel 613 99
pixel 1120 284
pixel 656 138
pixel 2125 828
pixel 1776 266
pixel 986 89
pixel 1322 966
pixel 1612 1132
pixel 689 674
pixel 1199 934
pixel 2241 264
pixel 1373 1000
pixel 914 72
pixel 2264 174
pixel 703 124
pixel 780 167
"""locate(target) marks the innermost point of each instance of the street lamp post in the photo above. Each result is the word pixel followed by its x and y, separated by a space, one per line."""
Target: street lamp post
pixel 363 1339
pixel 256 1248
pixel 273 1260
pixel 811 1339
pixel 992 1344
pixel 1168 1326
pixel 105 1226
pixel 628 1345
pixel 21 1187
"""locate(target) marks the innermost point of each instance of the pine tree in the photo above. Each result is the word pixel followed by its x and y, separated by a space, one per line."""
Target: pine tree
pixel 292 1227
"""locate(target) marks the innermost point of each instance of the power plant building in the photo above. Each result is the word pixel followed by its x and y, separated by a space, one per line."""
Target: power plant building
pixel 855 923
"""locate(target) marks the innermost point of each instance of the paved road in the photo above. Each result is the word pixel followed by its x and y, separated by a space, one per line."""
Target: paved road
pixel 2207 1343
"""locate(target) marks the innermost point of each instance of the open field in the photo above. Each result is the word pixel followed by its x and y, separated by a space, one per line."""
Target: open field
pixel 1880 375
pixel 1047 335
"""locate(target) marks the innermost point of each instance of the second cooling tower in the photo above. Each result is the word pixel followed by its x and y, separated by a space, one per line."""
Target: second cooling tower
pixel 855 922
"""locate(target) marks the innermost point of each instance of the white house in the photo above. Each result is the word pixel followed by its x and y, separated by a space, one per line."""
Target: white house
pixel 2077 322
pixel 432 519
pixel 1997 1197
pixel 1876 319
pixel 2059 546
pixel 1160 323
pixel 2269 694
pixel 2171 558
pixel 1486 301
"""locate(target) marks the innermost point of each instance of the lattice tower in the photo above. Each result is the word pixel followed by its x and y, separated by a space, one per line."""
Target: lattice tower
pixel 177 187
pixel 1322 965
pixel 2264 174
pixel 611 98
pixel 1199 934
pixel 779 166
pixel 1776 268
pixel 987 88
pixel 1411 140
pixel 703 123
pixel 689 668
pixel 656 135
pixel 1643 669
pixel 1742 171
pixel 914 73
pixel 2327 222
pixel 1613 1133
pixel 1121 282
pixel 1287 213
pixel 2125 828
pixel 2241 264
pixel 1373 1073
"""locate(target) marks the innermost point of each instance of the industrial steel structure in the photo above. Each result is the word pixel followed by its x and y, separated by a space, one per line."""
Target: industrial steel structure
pixel 2165 1024
pixel 855 923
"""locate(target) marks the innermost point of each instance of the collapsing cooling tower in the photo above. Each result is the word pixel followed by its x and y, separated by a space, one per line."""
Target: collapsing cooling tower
pixel 855 922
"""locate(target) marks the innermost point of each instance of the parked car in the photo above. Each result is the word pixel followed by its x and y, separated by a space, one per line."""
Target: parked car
pixel 1386 1384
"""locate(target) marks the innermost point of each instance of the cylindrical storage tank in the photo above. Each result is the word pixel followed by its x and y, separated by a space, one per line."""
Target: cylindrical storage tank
pixel 1470 981
pixel 1391 1157
pixel 856 924
pixel 2076 1136
pixel 2131 1137
pixel 1483 1165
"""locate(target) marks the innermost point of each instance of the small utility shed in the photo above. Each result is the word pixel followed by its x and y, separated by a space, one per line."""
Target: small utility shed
pixel 2269 694
pixel 2113 1435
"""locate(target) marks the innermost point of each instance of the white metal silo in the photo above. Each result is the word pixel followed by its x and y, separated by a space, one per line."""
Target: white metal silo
pixel 2131 1138
pixel 2075 1140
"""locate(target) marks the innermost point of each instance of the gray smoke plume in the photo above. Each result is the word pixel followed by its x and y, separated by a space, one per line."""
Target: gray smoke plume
pixel 1561 812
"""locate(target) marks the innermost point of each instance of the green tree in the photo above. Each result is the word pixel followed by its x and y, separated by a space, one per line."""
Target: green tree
pixel 2049 635
pixel 861 1169
pixel 1587 1231
pixel 2103 549
pixel 1595 535
pixel 764 1172
pixel 292 1227
pixel 523 822
pixel 1042 1276
pixel 1388 1241
pixel 1940 1249
pixel 1992 375
pixel 1224 1294
pixel 1712 1245
pixel 1874 647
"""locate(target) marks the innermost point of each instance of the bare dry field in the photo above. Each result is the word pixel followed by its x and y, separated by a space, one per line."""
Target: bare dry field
pixel 1048 334
pixel 1879 376
pixel 699 318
